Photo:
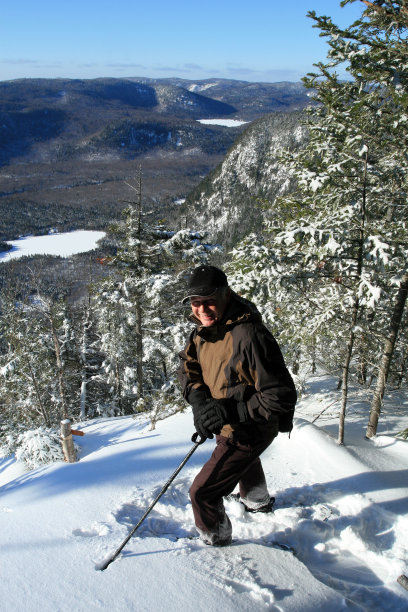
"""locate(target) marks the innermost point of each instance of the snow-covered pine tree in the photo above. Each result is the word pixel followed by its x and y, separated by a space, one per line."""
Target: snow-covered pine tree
pixel 88 358
pixel 33 377
pixel 382 36
pixel 140 319
pixel 336 247
pixel 351 225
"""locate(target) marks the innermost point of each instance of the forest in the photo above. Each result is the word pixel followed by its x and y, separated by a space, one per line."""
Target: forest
pixel 327 266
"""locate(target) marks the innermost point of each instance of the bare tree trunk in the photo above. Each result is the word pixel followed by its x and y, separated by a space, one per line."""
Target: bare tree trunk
pixel 84 346
pixel 355 310
pixel 83 392
pixel 84 380
pixel 296 363
pixel 118 387
pixel 139 314
pixel 139 348
pixel 403 367
pixel 314 368
pixel 362 364
pixel 346 371
pixel 60 369
pixel 388 351
pixel 41 408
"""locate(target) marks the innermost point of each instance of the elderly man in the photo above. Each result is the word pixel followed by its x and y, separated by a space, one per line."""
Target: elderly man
pixel 233 374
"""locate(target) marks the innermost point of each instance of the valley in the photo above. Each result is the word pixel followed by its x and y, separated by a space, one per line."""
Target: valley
pixel 67 147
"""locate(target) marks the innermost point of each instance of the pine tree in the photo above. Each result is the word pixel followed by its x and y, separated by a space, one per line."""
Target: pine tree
pixel 140 320
pixel 352 175
pixel 337 246
pixel 33 374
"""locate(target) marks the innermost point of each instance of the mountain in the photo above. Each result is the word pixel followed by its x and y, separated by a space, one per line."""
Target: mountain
pixel 251 100
pixel 60 118
pixel 250 174
pixel 54 119
pixel 68 147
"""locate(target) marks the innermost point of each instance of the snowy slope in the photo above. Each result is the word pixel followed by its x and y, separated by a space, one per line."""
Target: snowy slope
pixel 337 540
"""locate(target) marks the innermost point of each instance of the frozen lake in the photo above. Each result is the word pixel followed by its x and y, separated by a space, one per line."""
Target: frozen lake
pixel 224 122
pixel 64 245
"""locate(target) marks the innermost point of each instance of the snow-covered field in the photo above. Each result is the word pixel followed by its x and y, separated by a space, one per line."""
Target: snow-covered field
pixel 336 541
pixel 223 122
pixel 64 245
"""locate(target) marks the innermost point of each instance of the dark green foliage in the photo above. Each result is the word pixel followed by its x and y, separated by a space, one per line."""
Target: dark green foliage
pixel 134 138
pixel 21 130
pixel 28 217
pixel 4 246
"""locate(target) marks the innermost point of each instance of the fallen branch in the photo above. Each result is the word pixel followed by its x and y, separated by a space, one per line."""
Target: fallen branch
pixel 324 410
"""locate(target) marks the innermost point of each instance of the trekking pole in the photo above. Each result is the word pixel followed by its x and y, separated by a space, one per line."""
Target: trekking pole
pixel 197 443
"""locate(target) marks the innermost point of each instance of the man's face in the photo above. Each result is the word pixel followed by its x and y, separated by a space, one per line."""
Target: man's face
pixel 209 310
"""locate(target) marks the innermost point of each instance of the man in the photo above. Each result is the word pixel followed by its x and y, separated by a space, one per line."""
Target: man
pixel 233 374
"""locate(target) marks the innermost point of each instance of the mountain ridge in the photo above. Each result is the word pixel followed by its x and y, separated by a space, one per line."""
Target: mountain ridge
pixel 68 146
pixel 250 174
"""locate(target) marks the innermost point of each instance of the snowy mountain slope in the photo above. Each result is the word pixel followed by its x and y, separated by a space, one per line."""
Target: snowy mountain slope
pixel 250 173
pixel 337 539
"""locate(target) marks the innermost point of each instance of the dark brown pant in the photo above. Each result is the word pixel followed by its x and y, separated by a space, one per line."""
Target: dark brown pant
pixel 230 463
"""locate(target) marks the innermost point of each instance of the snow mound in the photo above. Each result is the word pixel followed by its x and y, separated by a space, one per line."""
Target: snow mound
pixel 336 540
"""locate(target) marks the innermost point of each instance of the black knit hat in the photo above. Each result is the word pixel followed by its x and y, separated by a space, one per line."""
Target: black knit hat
pixel 204 282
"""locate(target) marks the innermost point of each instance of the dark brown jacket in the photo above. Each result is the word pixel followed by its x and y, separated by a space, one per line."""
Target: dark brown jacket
pixel 238 359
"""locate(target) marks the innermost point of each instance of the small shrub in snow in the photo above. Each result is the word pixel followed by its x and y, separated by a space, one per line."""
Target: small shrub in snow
pixel 37 447
pixel 8 445
pixel 164 403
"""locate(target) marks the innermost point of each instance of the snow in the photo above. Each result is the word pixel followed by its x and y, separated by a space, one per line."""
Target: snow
pixel 64 245
pixel 224 122
pixel 336 541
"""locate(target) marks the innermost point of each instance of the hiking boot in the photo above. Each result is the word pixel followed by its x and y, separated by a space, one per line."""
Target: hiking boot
pixel 265 508
pixel 216 541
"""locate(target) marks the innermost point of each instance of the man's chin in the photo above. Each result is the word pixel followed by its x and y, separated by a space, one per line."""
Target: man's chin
pixel 208 322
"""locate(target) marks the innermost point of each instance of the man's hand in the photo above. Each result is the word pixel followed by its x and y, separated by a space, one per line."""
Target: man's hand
pixel 202 432
pixel 209 417
pixel 214 415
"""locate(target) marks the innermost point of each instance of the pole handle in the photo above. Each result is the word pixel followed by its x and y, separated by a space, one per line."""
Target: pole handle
pixel 199 441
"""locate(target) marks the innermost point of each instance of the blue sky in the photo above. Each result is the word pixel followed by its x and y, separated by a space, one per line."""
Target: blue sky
pixel 262 40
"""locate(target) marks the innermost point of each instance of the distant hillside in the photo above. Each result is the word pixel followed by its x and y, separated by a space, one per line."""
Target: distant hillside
pixel 228 202
pixel 251 100
pixel 44 119
pixel 68 146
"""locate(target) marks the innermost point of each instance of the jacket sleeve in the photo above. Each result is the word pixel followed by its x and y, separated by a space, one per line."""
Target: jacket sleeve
pixel 274 392
pixel 190 374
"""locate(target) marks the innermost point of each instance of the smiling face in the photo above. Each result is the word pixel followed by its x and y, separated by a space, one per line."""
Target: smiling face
pixel 210 310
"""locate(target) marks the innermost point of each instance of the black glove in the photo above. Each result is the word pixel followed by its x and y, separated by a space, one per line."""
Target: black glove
pixel 209 417
pixel 213 415
pixel 286 421
pixel 203 433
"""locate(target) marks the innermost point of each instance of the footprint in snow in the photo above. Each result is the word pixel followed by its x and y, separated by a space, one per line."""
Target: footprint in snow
pixel 94 531
pixel 171 517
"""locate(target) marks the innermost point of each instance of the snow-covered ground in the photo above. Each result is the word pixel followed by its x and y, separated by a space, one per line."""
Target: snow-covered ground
pixel 224 122
pixel 64 245
pixel 336 541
